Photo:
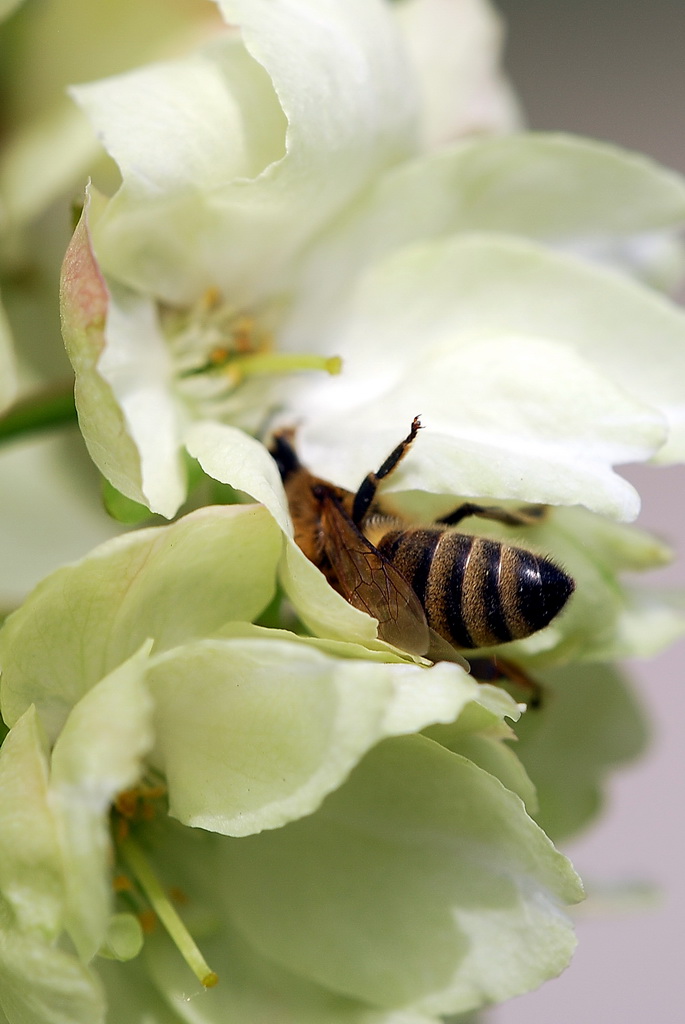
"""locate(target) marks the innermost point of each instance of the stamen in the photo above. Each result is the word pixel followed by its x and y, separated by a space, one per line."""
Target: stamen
pixel 236 367
pixel 160 903
pixel 263 363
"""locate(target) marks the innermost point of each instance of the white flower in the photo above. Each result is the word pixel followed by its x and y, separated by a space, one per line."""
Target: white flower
pixel 276 213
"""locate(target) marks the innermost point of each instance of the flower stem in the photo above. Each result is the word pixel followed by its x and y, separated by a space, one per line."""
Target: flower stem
pixel 53 407
pixel 160 903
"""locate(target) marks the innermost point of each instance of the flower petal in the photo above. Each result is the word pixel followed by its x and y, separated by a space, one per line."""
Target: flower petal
pixel 122 368
pixel 455 48
pixel 282 724
pixel 590 725
pixel 421 884
pixel 229 455
pixel 31 877
pixel 433 310
pixel 169 583
pixel 578 194
pixel 199 168
pixel 98 754
pixel 41 983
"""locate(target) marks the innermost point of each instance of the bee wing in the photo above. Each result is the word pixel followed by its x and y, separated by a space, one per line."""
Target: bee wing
pixel 371 583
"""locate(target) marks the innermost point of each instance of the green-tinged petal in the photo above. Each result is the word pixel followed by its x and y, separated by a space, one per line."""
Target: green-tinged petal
pixel 235 458
pixel 605 618
pixel 125 410
pixel 420 884
pixel 437 311
pixel 8 371
pixel 588 726
pixel 98 753
pixel 484 746
pixel 41 984
pixel 133 996
pixel 253 989
pixel 282 724
pixel 31 879
pixel 335 108
pixel 124 938
pixel 229 455
pixel 580 194
pixel 454 47
pixel 171 584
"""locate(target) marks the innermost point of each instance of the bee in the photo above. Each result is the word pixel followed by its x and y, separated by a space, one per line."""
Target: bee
pixel 433 590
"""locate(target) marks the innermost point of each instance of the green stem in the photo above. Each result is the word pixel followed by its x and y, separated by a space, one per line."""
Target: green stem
pixel 160 903
pixel 43 410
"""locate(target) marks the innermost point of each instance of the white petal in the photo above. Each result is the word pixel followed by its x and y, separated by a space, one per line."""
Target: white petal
pixel 200 168
pixel 136 365
pixel 413 342
pixel 455 47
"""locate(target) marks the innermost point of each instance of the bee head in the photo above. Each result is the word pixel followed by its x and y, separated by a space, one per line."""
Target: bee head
pixel 284 454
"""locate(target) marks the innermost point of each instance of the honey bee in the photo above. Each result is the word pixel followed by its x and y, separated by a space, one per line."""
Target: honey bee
pixel 433 590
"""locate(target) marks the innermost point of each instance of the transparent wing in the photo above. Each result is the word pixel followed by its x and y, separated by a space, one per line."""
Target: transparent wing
pixel 371 583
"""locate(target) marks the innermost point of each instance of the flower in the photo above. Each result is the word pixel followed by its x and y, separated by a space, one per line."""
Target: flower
pixel 295 756
pixel 216 272
pixel 192 709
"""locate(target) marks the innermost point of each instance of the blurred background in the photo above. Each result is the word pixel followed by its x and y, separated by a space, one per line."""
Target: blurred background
pixel 614 70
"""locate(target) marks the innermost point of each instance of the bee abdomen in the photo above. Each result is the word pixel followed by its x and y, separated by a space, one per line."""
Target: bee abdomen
pixel 411 552
pixel 478 592
pixel 482 592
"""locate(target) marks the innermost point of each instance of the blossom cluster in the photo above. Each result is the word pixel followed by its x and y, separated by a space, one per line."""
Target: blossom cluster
pixel 326 218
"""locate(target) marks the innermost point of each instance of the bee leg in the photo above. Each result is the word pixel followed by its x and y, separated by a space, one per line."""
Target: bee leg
pixel 497 670
pixel 367 490
pixel 527 515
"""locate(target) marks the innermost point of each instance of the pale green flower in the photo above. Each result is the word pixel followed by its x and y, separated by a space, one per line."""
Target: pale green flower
pixel 276 212
pixel 435 891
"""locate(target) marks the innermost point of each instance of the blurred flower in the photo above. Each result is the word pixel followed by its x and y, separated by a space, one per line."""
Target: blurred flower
pixel 419 887
pixel 241 248
pixel 47 145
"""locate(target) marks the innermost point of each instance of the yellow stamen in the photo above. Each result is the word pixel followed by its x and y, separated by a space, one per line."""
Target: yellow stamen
pixel 161 905
pixel 265 363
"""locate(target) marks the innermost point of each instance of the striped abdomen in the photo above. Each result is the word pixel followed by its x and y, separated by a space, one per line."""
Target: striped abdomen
pixel 477 592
